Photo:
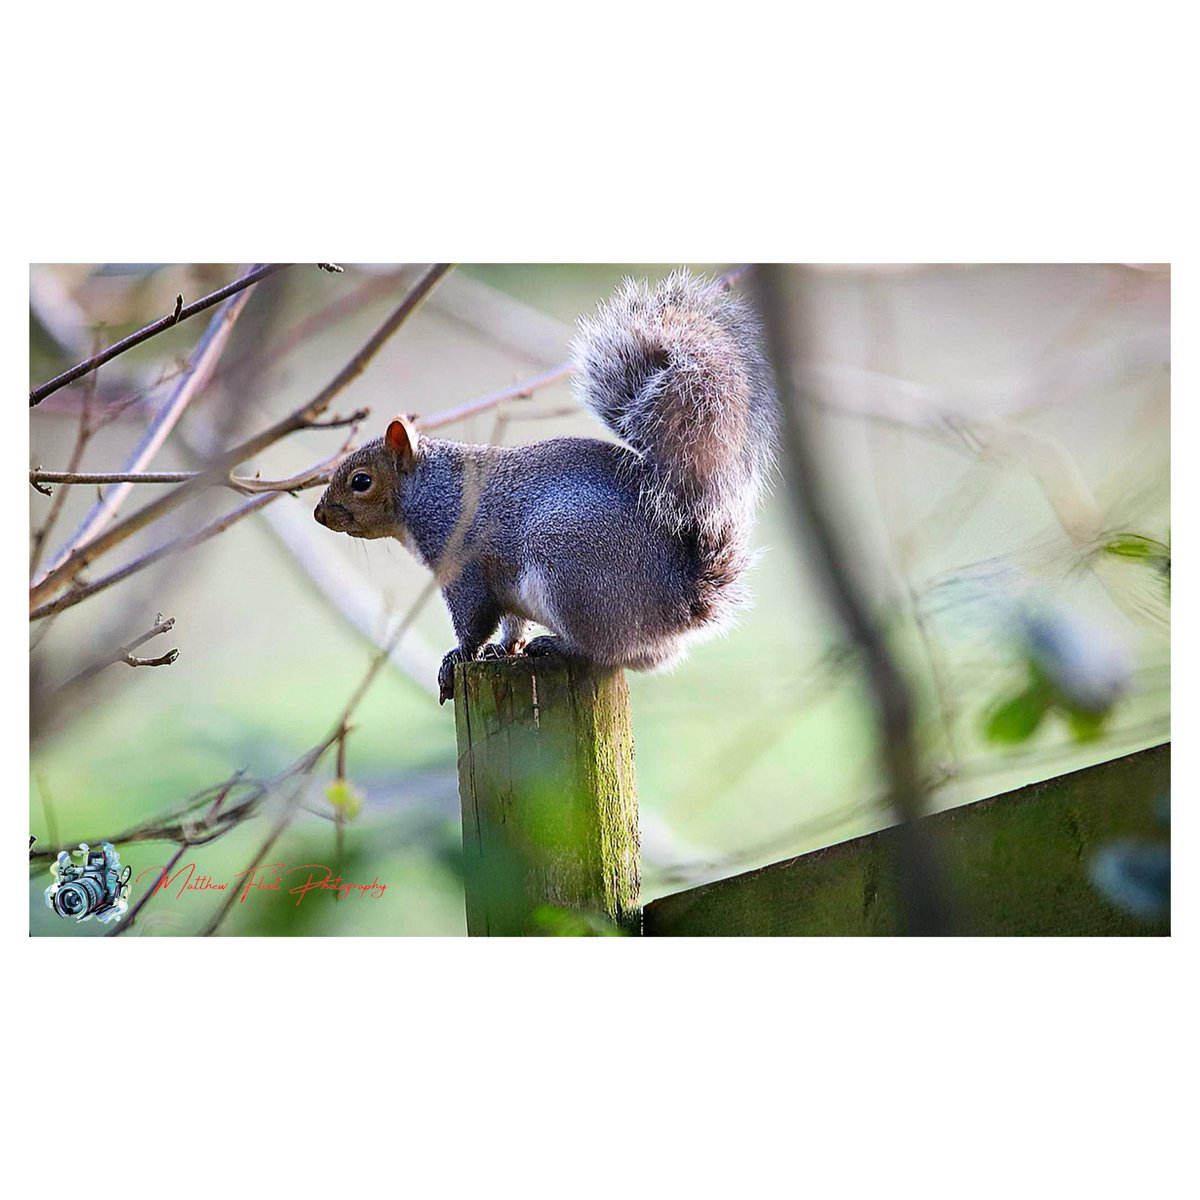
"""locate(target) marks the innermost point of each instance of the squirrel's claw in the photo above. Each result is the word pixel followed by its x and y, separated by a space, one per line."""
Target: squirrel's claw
pixel 453 657
pixel 446 674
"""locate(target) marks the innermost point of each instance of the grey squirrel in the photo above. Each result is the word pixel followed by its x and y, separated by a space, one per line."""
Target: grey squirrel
pixel 626 552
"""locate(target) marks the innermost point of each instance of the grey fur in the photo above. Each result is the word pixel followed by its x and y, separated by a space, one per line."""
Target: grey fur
pixel 626 552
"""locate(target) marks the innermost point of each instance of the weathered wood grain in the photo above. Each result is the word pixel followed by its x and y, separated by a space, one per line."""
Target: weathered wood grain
pixel 549 803
pixel 1017 863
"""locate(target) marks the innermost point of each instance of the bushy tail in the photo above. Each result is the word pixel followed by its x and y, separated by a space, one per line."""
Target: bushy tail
pixel 678 373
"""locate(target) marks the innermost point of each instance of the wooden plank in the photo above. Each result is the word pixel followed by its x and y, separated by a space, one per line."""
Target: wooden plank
pixel 549 803
pixel 1017 865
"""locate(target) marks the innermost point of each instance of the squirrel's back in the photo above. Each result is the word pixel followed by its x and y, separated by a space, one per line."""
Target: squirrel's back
pixel 678 373
pixel 626 553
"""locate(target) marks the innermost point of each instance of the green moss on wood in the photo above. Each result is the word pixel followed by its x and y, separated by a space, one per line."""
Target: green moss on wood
pixel 548 796
pixel 1016 864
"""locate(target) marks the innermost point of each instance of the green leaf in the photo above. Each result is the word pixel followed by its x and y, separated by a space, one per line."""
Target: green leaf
pixel 1086 726
pixel 551 920
pixel 1017 719
pixel 1133 545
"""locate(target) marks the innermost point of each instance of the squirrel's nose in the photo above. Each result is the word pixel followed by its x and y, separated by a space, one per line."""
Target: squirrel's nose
pixel 319 513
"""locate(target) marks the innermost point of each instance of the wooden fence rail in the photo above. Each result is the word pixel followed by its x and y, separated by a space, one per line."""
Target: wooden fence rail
pixel 1017 863
pixel 550 833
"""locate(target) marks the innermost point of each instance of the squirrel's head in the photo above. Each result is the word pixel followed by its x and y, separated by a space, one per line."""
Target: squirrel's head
pixel 362 498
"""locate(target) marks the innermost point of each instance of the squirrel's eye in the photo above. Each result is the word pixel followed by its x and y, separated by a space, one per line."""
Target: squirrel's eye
pixel 360 482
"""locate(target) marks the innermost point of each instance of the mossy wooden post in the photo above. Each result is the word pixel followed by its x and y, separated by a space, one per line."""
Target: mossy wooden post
pixel 549 804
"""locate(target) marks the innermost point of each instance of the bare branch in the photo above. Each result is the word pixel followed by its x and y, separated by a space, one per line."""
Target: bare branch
pixel 348 593
pixel 314 476
pixel 200 366
pixel 98 477
pixel 82 437
pixel 145 896
pixel 181 313
pixel 359 414
pixel 336 736
pixel 239 483
pixel 125 654
pixel 163 660
pixel 223 464
pixel 308 326
pixel 525 389
pixel 161 625
pixel 517 391
pixel 920 877
pixel 85 591
pixel 266 490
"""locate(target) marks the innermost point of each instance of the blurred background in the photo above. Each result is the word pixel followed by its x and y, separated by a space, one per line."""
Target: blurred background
pixel 994 446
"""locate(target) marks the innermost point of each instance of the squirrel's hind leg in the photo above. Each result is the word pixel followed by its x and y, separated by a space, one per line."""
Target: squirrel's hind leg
pixel 551 643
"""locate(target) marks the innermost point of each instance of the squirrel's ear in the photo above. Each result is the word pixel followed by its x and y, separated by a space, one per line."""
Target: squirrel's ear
pixel 402 437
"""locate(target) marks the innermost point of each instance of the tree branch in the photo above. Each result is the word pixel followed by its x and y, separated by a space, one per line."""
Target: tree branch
pixel 82 437
pixel 85 591
pixel 199 368
pixel 223 464
pixel 125 654
pixel 245 484
pixel 919 872
pixel 525 389
pixel 181 313
pixel 518 391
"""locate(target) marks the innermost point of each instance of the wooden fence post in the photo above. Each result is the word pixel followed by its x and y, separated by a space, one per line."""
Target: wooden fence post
pixel 549 804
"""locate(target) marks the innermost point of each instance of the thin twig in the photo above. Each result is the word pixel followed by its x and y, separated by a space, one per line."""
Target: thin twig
pixel 163 660
pixel 132 915
pixel 224 463
pixel 258 361
pixel 336 736
pixel 200 366
pixel 245 484
pixel 308 326
pixel 84 592
pixel 256 859
pixel 82 437
pixel 339 814
pixel 266 490
pixel 348 593
pixel 920 877
pixel 526 388
pixel 185 822
pixel 517 391
pixel 181 313
pixel 125 654
pixel 70 476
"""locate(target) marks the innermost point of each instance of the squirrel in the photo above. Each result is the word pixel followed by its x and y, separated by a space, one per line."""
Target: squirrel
pixel 627 553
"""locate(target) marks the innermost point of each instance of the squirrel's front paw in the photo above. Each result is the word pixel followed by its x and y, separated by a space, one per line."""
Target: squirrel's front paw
pixel 493 650
pixel 446 673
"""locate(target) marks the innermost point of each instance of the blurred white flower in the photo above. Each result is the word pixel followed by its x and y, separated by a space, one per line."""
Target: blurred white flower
pixel 1086 663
